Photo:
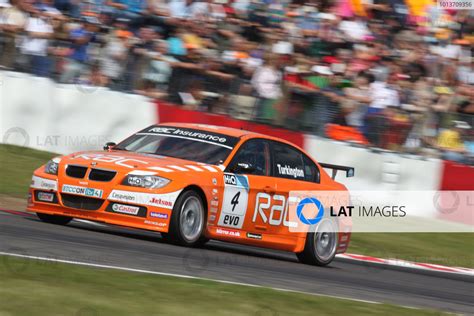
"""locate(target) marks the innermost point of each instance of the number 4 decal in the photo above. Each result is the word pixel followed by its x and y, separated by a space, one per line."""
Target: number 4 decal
pixel 235 200
pixel 234 205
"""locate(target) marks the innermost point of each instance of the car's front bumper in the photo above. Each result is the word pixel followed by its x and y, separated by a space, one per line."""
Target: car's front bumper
pixel 44 197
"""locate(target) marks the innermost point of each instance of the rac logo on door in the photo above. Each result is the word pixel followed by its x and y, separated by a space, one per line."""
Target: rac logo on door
pixel 272 210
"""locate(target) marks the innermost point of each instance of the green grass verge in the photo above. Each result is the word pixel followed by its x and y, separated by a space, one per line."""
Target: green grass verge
pixel 450 249
pixel 17 165
pixel 31 287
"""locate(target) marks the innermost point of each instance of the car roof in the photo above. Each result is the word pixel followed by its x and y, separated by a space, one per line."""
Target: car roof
pixel 229 131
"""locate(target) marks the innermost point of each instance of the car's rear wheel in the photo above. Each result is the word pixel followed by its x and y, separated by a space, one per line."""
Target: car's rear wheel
pixel 54 219
pixel 321 245
pixel 188 220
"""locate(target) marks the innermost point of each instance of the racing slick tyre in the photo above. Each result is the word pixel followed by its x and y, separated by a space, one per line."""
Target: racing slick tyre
pixel 187 221
pixel 54 219
pixel 321 245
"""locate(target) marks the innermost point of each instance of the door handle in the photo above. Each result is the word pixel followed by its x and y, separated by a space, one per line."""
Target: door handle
pixel 269 189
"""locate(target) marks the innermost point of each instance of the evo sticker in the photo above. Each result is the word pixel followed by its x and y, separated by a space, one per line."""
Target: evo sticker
pixel 234 205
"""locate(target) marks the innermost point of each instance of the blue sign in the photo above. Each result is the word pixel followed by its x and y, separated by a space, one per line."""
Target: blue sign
pixel 311 221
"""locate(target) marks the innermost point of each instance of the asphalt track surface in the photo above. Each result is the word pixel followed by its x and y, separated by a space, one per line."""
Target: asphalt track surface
pixel 25 235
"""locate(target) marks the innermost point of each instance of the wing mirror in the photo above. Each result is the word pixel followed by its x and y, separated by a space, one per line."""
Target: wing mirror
pixel 243 167
pixel 109 145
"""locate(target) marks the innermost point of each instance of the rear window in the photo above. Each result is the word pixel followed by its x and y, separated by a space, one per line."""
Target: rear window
pixel 184 143
pixel 290 163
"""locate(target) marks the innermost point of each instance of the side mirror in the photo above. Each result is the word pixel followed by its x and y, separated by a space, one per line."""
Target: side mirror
pixel 350 172
pixel 243 167
pixel 109 145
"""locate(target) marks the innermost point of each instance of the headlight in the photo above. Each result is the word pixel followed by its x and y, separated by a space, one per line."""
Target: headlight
pixel 145 181
pixel 52 166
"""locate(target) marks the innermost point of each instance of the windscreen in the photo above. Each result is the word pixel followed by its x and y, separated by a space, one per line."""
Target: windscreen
pixel 184 143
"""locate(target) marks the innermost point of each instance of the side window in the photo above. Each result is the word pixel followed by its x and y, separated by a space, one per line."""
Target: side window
pixel 287 162
pixel 252 158
pixel 311 171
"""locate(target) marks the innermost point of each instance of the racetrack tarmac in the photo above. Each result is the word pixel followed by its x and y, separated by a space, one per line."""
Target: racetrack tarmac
pixel 83 242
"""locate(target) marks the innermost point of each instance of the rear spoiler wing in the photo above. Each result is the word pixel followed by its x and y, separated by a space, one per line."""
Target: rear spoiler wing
pixel 350 171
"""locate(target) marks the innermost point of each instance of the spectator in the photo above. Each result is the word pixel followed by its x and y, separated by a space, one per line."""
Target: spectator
pixel 357 100
pixel 115 55
pixel 132 10
pixel 382 95
pixel 267 81
pixel 80 37
pixel 161 66
pixel 13 20
pixel 35 44
pixel 138 59
pixel 450 141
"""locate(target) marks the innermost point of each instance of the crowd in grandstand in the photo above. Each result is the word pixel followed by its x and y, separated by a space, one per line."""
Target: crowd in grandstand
pixel 394 74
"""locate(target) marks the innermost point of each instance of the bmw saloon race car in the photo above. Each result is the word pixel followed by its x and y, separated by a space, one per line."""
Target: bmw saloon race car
pixel 191 183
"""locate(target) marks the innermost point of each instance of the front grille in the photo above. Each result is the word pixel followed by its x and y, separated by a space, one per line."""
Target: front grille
pixel 81 202
pixel 101 175
pixel 74 171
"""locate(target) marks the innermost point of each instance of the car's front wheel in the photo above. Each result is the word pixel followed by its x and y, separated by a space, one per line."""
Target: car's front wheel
pixel 188 220
pixel 321 245
pixel 54 219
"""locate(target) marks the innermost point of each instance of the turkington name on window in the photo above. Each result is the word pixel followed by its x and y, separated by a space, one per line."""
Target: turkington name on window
pixel 288 171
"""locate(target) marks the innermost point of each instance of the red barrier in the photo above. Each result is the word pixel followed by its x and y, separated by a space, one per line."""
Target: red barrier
pixel 173 113
pixel 457 177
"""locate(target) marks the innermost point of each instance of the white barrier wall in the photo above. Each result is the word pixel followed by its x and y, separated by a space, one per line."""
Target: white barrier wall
pixel 38 113
pixel 376 171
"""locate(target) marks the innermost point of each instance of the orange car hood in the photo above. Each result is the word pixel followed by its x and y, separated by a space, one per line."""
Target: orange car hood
pixel 124 162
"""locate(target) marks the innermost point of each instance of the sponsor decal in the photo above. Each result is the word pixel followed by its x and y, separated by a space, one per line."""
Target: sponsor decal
pixel 234 205
pixel 214 203
pixel 215 191
pixel 42 183
pixel 156 201
pixel 289 171
pixel 213 209
pixel 214 181
pixel 165 200
pixel 159 215
pixel 272 210
pixel 46 197
pixel 122 197
pixel 212 218
pixel 213 137
pixel 254 236
pixel 192 134
pixel 125 209
pixel 155 223
pixel 72 189
pixel 227 232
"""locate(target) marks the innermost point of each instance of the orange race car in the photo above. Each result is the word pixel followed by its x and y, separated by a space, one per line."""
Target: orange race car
pixel 192 183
